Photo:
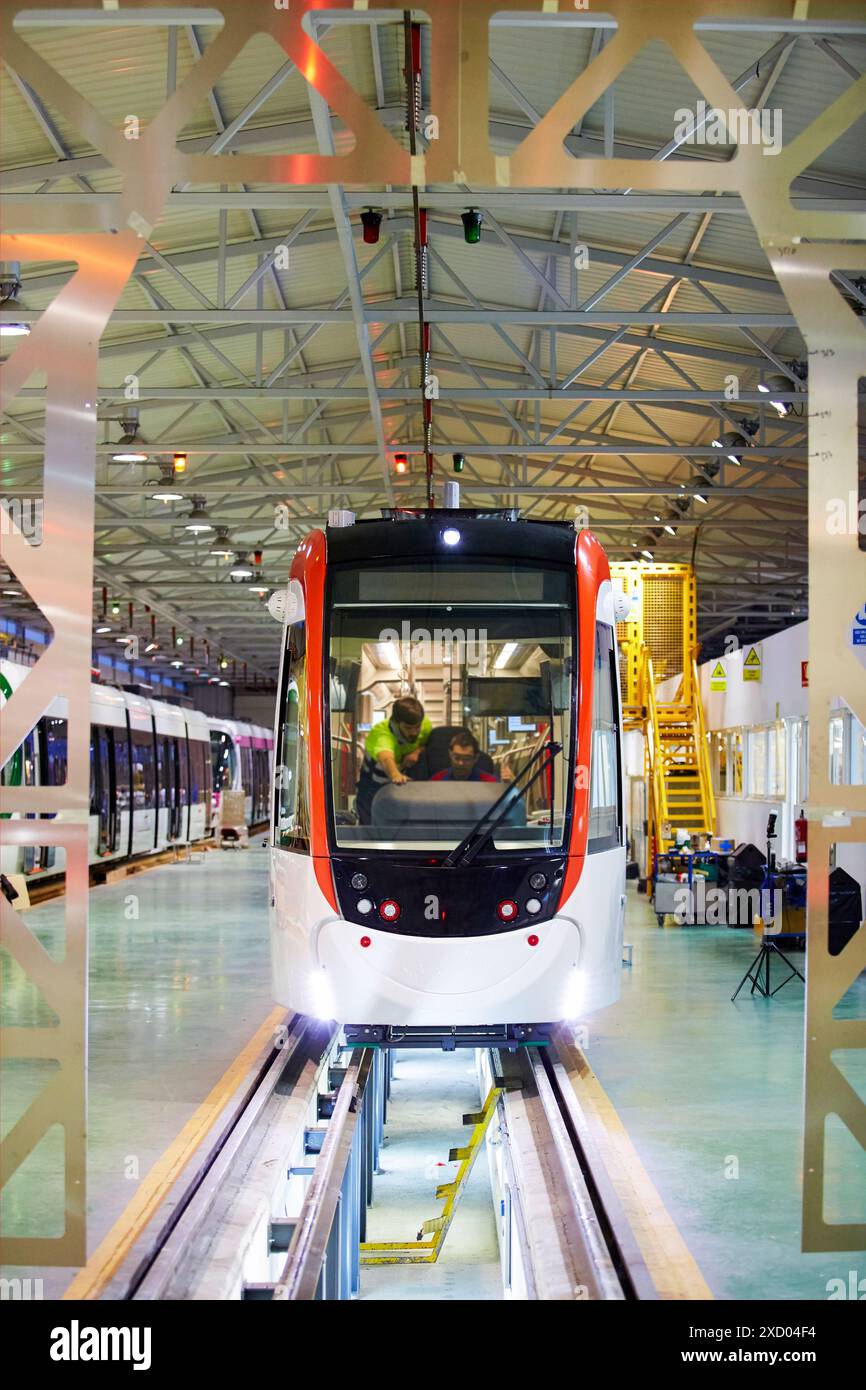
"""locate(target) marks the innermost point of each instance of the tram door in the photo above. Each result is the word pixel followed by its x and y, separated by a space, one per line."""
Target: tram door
pixel 104 789
pixel 169 775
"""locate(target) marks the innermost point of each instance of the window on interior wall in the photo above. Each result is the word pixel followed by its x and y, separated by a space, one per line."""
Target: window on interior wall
pixel 756 761
pixel 858 753
pixel 798 760
pixel 837 749
pixel 735 764
pixel 776 770
pixel 719 749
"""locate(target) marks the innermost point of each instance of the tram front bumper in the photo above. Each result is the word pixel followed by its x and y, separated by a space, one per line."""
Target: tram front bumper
pixel 530 976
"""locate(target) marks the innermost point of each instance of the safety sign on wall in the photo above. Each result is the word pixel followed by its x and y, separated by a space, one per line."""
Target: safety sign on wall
pixel 752 663
pixel 858 633
pixel 718 677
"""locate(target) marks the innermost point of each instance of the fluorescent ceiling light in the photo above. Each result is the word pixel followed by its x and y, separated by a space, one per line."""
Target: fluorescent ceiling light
pixel 505 656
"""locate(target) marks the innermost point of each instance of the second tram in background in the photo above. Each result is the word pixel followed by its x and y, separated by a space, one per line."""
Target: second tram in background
pixel 448 859
pixel 159 772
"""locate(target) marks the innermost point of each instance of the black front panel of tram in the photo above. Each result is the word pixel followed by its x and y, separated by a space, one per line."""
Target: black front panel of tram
pixel 371 542
pixel 440 901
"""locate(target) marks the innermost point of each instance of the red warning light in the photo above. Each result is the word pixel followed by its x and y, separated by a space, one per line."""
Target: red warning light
pixel 401 463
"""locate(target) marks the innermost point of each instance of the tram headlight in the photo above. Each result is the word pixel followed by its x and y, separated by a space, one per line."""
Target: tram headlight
pixel 533 907
pixel 451 536
pixel 359 881
pixel 364 906
pixel 574 995
pixel 323 1001
pixel 537 881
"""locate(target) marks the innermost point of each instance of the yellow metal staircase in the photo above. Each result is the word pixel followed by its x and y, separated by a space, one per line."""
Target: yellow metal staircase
pixel 656 647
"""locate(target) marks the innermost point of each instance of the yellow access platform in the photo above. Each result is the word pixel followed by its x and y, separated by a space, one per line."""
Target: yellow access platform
pixel 659 643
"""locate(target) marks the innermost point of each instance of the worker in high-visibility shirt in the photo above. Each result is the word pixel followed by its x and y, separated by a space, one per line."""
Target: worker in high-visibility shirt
pixel 392 746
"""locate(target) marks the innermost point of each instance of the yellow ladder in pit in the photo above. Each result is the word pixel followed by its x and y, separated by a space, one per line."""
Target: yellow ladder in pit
pixel 426 1252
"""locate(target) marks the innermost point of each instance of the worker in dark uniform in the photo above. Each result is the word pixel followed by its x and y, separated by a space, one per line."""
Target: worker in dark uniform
pixel 463 751
pixel 392 746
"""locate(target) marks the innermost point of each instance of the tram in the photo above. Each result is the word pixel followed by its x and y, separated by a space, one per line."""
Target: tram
pixel 448 856
pixel 157 771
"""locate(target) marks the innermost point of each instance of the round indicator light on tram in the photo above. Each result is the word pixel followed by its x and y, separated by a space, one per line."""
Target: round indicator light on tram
pixel 507 910
pixel 359 881
pixel 389 911
pixel 537 881
pixel 364 906
pixel 533 907
pixel 532 940
pixel 451 536
pixel 366 941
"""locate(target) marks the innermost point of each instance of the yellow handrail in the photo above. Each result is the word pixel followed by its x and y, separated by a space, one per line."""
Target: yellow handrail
pixel 658 809
pixel 703 751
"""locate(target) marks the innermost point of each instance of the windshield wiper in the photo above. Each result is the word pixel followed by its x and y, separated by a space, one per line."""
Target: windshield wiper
pixel 473 843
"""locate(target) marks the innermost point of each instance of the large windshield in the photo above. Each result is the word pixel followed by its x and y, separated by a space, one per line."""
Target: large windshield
pixel 445 679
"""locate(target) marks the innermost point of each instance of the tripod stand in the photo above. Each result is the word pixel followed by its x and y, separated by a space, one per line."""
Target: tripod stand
pixel 759 970
pixel 761 966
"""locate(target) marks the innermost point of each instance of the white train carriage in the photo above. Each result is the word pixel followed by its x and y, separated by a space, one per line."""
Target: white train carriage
pixel 150 775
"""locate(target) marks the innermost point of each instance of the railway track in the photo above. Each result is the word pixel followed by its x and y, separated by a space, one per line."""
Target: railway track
pixel 273 1208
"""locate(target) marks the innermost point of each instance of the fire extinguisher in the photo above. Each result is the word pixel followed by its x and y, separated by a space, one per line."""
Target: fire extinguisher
pixel 801 838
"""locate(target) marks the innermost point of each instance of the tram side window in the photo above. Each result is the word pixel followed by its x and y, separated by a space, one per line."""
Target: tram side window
pixel 197 761
pixel 121 769
pixel 183 754
pixel 247 769
pixel 55 752
pixel 291 831
pixel 605 810
pixel 20 769
pixel 163 760
pixel 143 771
pixel 224 759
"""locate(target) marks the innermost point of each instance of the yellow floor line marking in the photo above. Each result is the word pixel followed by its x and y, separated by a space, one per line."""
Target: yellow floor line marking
pixel 92 1278
pixel 671 1265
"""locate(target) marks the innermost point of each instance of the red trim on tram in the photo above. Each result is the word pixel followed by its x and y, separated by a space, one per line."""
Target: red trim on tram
pixel 592 569
pixel 308 567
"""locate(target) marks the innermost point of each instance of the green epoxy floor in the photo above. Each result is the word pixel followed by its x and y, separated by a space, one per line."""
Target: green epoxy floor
pixel 175 994
pixel 707 1088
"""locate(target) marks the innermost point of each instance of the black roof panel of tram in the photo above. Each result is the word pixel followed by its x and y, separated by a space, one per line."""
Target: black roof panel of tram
pixel 408 533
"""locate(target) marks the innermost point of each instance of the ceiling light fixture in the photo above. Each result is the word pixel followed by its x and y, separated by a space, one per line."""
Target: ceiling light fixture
pixel 131 448
pixel 240 571
pixel 198 520
pixel 10 286
pixel 221 544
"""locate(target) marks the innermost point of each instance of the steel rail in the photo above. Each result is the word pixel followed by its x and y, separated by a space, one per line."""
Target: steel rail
pixel 154 1258
pixel 302 1270
pixel 592 1231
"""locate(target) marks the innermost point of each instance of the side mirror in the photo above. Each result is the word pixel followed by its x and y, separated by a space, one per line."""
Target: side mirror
pixel 623 609
pixel 287 605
